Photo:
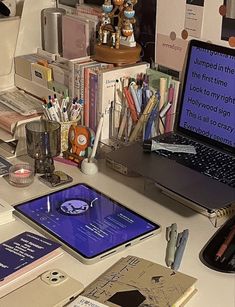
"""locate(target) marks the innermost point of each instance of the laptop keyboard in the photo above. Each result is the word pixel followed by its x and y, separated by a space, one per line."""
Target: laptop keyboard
pixel 207 160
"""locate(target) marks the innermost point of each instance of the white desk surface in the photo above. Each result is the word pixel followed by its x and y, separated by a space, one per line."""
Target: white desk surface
pixel 214 288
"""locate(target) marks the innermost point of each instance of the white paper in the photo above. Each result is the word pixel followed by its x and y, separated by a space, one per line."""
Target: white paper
pixel 175 148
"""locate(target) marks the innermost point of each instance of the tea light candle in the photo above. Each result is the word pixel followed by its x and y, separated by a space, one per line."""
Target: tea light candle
pixel 21 175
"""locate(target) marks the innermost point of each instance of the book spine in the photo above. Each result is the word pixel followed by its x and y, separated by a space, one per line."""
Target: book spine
pixel 71 79
pixel 77 76
pixel 93 89
pixel 86 96
pixel 171 118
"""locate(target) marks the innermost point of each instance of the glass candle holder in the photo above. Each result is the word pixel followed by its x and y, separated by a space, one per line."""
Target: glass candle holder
pixel 21 174
pixel 43 143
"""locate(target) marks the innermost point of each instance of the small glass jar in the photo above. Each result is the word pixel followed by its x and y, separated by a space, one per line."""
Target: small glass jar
pixel 21 174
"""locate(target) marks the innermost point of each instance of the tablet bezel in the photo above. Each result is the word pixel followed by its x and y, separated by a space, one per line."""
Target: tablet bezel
pixel 70 249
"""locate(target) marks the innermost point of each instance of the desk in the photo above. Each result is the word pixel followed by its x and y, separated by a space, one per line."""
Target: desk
pixel 214 288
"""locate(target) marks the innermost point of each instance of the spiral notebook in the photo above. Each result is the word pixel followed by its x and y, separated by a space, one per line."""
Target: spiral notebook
pixel 220 216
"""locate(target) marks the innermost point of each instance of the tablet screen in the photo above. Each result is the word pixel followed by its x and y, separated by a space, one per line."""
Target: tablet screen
pixel 86 220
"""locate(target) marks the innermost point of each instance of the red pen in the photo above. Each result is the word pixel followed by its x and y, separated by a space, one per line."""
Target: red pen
pixel 131 104
pixel 225 244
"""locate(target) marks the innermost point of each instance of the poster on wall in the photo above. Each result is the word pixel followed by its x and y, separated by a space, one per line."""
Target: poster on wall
pixel 181 20
pixel 194 17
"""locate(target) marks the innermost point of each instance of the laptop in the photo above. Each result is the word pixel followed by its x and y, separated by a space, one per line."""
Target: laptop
pixel 206 120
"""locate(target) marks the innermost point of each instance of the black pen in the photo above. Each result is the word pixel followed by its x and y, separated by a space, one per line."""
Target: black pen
pixel 230 251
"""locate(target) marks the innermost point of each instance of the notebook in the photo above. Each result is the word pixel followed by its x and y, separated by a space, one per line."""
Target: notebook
pixel 205 120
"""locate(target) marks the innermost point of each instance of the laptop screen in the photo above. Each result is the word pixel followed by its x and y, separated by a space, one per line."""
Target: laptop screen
pixel 207 110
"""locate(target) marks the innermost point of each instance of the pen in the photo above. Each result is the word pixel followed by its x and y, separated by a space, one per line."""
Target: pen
pixel 97 137
pixel 180 247
pixel 148 109
pixel 134 96
pixel 230 251
pixel 65 115
pixel 166 108
pixel 151 119
pixel 225 244
pixel 131 104
pixel 171 237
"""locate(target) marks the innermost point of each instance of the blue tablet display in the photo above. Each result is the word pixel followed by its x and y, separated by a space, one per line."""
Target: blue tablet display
pixel 86 220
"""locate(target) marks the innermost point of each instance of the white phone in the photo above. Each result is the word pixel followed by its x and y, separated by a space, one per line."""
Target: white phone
pixel 53 288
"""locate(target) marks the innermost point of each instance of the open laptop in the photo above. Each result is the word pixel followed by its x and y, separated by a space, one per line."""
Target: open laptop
pixel 206 120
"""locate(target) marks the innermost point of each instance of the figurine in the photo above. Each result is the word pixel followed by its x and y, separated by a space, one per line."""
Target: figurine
pixel 121 14
pixel 80 143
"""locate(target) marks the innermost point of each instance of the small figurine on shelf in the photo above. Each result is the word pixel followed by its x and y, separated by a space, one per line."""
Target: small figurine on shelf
pixel 116 42
pixel 117 18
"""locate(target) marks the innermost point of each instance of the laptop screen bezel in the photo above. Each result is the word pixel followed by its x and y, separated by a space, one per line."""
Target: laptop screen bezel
pixel 184 131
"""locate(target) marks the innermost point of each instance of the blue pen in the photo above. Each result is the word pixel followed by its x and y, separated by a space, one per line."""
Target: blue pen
pixel 148 128
pixel 180 247
pixel 139 96
pixel 152 118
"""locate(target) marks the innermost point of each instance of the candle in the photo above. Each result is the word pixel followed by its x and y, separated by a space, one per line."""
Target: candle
pixel 21 175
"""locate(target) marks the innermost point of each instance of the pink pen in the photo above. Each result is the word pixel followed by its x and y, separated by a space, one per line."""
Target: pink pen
pixel 225 244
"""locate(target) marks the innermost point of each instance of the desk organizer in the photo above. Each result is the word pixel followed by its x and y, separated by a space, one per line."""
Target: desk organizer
pixel 126 129
pixel 207 254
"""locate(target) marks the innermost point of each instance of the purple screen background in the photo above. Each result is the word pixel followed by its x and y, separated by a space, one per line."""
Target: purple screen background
pixel 105 225
pixel 213 114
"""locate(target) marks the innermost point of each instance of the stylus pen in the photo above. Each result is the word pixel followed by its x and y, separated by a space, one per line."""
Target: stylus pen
pixel 180 247
pixel 97 137
pixel 171 237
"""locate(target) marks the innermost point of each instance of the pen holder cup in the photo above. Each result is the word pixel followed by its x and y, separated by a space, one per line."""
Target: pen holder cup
pixel 125 127
pixel 65 133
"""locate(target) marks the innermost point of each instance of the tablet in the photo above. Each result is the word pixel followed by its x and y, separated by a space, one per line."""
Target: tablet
pixel 88 223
